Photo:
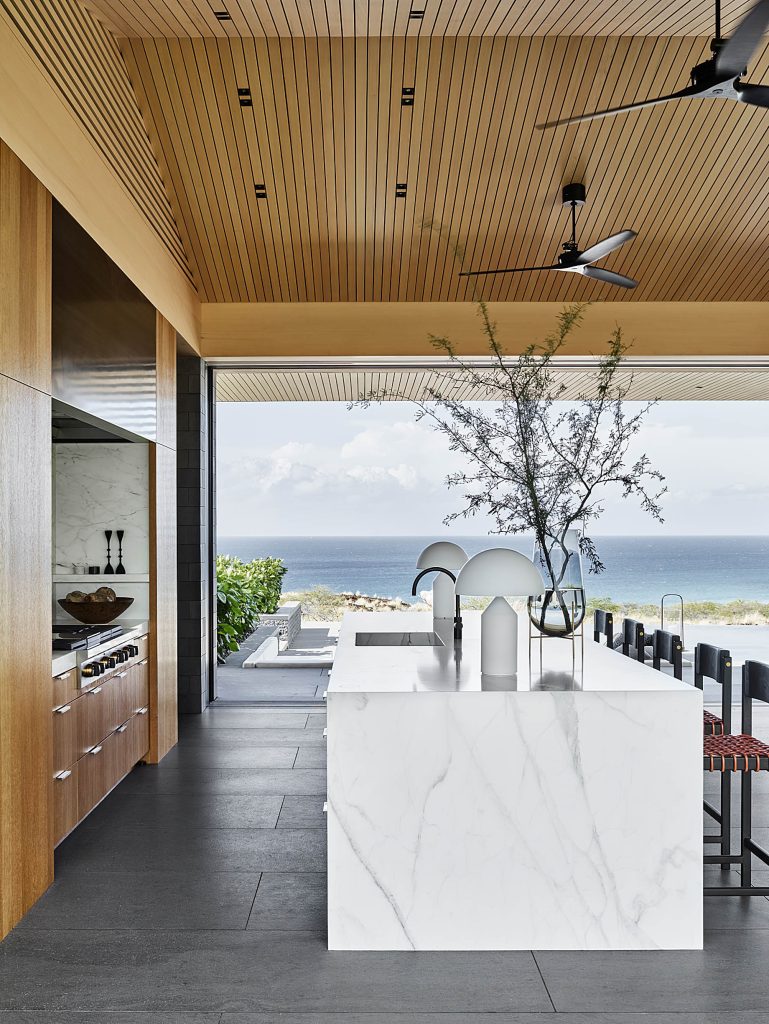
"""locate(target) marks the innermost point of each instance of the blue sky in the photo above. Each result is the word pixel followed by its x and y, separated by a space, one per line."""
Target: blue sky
pixel 301 469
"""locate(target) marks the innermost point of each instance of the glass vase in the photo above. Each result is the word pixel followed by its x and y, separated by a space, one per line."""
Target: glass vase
pixel 560 611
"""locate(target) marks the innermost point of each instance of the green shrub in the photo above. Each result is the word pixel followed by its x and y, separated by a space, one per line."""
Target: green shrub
pixel 243 591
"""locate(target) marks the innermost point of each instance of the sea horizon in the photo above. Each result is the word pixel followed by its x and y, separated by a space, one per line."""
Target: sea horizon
pixel 639 567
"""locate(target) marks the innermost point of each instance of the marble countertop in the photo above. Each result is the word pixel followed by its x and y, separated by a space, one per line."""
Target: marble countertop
pixel 64 661
pixel 449 669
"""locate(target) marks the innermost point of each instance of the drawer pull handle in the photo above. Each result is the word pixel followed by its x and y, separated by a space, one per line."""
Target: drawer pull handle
pixel 142 711
pixel 325 807
pixel 64 710
pixel 95 750
pixel 142 663
pixel 122 728
pixel 96 689
pixel 62 677
pixel 325 733
pixel 61 776
pixel 121 675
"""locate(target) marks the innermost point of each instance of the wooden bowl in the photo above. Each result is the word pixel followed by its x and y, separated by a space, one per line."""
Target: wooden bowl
pixel 96 613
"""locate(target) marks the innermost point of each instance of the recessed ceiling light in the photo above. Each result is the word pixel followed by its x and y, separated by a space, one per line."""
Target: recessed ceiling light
pixel 416 15
pixel 222 16
pixel 400 190
pixel 260 190
pixel 407 96
pixel 244 97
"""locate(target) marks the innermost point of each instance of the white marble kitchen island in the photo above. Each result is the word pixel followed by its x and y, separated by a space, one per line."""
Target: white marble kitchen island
pixel 555 811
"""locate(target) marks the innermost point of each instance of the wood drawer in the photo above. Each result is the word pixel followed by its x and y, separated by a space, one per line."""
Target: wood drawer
pixel 95 716
pixel 64 688
pixel 98 772
pixel 66 733
pixel 66 811
pixel 140 686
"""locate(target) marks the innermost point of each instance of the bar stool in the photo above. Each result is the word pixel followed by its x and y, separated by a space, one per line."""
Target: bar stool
pixel 603 625
pixel 746 754
pixel 668 647
pixel 633 639
pixel 716 663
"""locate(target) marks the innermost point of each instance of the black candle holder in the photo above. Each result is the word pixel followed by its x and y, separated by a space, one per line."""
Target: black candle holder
pixel 120 567
pixel 108 570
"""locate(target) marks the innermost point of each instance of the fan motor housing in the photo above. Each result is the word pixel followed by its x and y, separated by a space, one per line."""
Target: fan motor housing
pixel 574 193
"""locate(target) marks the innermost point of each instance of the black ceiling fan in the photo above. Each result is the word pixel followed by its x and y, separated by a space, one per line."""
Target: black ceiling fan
pixel 718 77
pixel 573 260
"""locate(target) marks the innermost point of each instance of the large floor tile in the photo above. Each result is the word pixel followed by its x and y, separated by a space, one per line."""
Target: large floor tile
pixel 231 739
pixel 79 899
pixel 290 901
pixel 215 782
pixel 245 718
pixel 738 1017
pixel 748 912
pixel 311 757
pixel 254 970
pixel 221 755
pixel 730 974
pixel 133 850
pixel 302 812
pixel 115 1017
pixel 185 810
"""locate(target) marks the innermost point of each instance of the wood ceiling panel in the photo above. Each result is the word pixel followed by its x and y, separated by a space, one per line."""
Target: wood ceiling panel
pixel 83 63
pixel 327 136
pixel 324 18
pixel 337 385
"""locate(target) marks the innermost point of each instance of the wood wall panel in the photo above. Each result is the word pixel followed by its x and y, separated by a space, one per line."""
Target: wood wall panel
pixel 327 135
pixel 165 361
pixel 391 17
pixel 68 111
pixel 163 646
pixel 26 855
pixel 25 272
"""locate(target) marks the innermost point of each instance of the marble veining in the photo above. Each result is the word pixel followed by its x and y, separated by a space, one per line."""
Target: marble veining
pixel 100 487
pixel 520 819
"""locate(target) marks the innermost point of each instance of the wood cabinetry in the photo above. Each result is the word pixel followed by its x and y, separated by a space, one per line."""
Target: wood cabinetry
pixel 99 734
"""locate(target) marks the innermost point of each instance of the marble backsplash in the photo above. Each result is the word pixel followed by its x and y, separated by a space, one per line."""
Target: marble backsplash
pixel 100 487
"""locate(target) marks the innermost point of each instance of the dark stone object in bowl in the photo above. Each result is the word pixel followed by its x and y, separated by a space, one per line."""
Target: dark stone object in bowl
pixel 96 613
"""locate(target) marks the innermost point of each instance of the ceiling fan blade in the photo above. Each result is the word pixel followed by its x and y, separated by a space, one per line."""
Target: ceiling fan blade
pixel 601 249
pixel 734 56
pixel 608 277
pixel 756 95
pixel 682 94
pixel 506 270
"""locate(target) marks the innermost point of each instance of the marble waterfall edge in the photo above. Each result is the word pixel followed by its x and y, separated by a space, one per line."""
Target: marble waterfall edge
pixel 464 819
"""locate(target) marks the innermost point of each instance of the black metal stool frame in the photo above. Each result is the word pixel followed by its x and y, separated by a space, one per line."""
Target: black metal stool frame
pixel 603 625
pixel 755 686
pixel 715 663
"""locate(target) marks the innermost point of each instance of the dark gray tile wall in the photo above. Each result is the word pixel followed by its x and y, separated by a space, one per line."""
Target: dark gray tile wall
pixel 192 518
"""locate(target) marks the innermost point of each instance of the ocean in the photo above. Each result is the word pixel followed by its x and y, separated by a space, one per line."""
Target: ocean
pixel 639 569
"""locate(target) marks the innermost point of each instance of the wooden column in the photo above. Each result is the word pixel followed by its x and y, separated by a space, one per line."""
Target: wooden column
pixel 26 854
pixel 163 652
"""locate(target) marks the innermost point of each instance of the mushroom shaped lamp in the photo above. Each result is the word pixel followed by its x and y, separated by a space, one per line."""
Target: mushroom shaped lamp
pixel 449 557
pixel 499 573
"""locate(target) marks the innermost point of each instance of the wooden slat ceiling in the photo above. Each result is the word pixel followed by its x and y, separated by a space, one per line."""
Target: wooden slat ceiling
pixel 313 18
pixel 348 385
pixel 328 137
pixel 83 62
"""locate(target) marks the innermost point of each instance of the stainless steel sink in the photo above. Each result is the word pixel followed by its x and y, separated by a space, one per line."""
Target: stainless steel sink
pixel 398 640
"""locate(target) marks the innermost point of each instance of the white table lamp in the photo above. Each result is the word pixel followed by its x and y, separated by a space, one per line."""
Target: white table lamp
pixel 443 554
pixel 499 573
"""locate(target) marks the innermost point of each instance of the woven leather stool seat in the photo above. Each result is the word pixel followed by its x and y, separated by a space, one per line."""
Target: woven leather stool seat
pixel 735 754
pixel 713 725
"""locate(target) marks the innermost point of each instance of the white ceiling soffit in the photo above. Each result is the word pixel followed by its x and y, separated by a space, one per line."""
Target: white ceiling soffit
pixel 682 380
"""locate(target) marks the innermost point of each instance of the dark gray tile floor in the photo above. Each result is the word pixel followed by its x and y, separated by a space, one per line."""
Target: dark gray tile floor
pixel 196 895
